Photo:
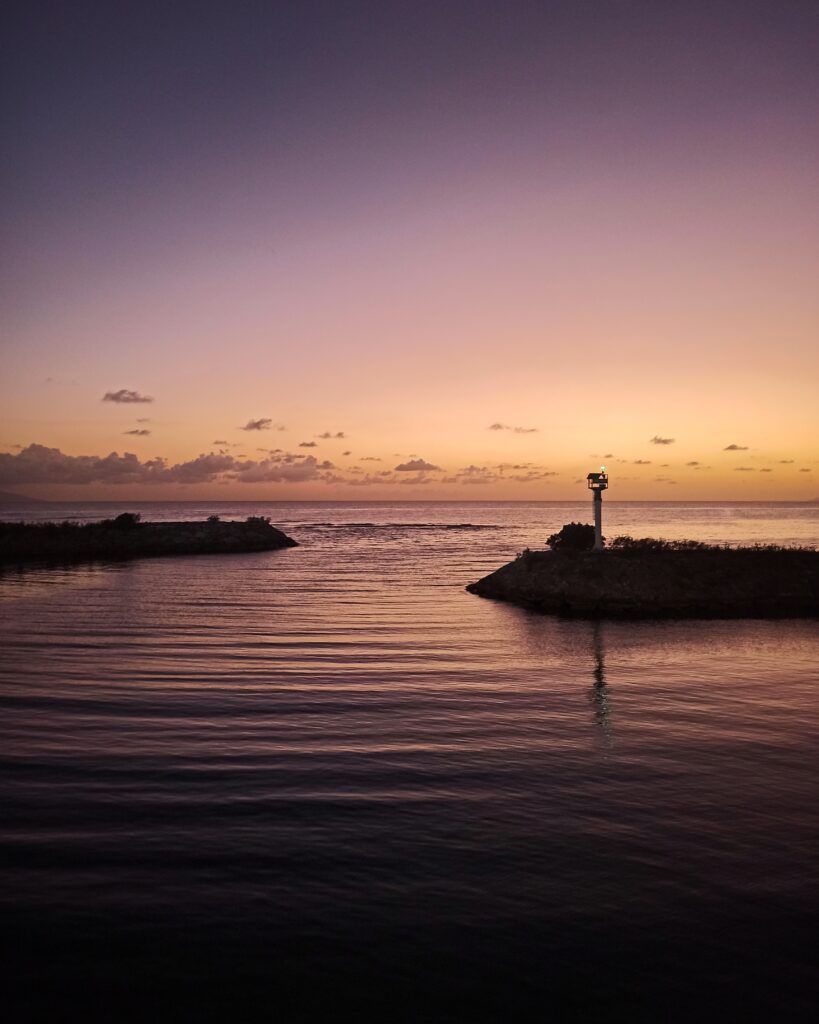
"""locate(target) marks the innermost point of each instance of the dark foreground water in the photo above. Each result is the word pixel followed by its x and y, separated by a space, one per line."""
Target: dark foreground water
pixel 300 784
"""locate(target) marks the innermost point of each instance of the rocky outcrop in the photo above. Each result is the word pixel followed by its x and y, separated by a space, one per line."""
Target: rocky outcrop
pixel 125 537
pixel 661 583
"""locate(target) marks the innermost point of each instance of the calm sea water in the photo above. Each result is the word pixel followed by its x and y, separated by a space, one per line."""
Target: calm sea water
pixel 242 786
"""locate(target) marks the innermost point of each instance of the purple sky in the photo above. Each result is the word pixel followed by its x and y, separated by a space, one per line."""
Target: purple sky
pixel 409 220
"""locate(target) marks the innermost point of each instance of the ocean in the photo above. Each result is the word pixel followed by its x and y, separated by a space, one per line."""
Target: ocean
pixel 254 786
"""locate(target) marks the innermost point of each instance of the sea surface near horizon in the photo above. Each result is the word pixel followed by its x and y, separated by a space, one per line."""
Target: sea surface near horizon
pixel 242 785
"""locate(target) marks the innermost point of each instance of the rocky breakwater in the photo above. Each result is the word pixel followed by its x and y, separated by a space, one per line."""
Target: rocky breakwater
pixel 656 579
pixel 126 537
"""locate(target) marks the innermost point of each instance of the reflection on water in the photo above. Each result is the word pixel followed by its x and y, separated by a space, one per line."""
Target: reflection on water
pixel 601 693
pixel 329 772
pixel 40 582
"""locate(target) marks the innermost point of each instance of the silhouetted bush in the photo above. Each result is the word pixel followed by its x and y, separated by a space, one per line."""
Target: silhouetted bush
pixel 124 521
pixel 573 537
pixel 213 519
pixel 645 545
pixel 638 544
pixel 258 520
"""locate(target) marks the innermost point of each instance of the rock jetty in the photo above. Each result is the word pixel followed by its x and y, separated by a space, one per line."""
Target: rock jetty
pixel 126 537
pixel 654 579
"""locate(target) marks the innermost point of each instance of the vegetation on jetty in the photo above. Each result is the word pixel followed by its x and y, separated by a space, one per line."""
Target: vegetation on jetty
pixel 126 537
pixel 647 578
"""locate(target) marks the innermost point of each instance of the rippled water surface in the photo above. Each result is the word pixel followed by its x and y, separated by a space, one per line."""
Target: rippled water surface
pixel 242 785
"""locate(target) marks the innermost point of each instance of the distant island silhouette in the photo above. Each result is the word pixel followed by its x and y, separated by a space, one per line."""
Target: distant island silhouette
pixel 12 498
pixel 126 537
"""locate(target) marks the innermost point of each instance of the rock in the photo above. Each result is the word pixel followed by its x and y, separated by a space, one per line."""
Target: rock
pixel 126 537
pixel 662 581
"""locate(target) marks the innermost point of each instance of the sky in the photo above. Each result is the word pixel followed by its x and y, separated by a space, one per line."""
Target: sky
pixel 410 250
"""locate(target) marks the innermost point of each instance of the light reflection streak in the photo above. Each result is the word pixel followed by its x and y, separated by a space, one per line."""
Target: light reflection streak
pixel 601 692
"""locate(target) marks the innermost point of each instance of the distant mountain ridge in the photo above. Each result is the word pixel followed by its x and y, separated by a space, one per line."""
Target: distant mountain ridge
pixel 10 498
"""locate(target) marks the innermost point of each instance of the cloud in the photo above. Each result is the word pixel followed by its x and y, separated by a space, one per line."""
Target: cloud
pixel 125 397
pixel 364 481
pixel 307 444
pixel 735 448
pixel 661 440
pixel 805 470
pixel 766 471
pixel 265 423
pixel 346 453
pixel 417 466
pixel 327 436
pixel 137 433
pixel 223 443
pixel 38 464
pixel 143 419
pixel 371 458
pixel 641 462
pixel 488 475
pixel 515 430
pixel 283 469
pixel 786 462
pixel 745 469
pixel 693 463
pixel 476 475
pixel 525 478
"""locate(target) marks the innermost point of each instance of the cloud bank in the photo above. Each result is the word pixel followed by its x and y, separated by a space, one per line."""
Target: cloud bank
pixel 38 464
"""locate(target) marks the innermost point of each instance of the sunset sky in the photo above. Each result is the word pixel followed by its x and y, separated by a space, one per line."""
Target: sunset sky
pixel 410 250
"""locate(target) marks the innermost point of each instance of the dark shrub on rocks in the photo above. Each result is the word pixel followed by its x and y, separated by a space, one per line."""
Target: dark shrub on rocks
pixel 124 521
pixel 573 537
pixel 642 545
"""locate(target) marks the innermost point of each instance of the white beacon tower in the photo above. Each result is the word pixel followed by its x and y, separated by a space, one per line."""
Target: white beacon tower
pixel 598 482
